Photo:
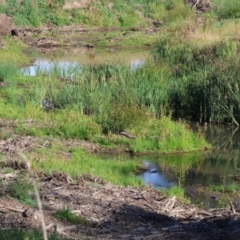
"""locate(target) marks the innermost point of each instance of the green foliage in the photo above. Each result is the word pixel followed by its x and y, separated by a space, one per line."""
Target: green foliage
pixel 204 80
pixel 225 188
pixel 35 13
pixel 72 124
pixel 121 116
pixel 68 216
pixel 106 99
pixel 12 53
pixel 26 13
pixel 227 8
pixel 117 13
pixel 128 19
pixel 7 72
pixel 164 135
pixel 177 11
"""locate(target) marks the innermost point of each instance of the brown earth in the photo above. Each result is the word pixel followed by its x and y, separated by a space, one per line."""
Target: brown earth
pixel 113 212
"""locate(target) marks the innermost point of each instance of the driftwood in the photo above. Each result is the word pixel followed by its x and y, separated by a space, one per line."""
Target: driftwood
pixel 127 135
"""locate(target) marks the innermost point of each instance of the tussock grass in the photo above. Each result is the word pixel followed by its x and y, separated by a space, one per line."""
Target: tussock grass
pixel 103 100
pixel 165 135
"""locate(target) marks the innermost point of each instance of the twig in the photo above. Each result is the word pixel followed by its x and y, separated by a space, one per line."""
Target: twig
pixel 37 196
pixel 232 208
pixel 195 4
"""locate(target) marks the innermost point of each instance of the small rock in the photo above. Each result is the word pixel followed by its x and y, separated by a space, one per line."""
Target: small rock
pixel 28 213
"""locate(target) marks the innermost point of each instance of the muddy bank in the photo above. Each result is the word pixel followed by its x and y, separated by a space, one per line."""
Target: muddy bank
pixel 76 35
pixel 117 213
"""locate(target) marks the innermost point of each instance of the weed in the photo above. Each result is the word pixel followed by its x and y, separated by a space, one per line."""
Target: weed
pixel 227 9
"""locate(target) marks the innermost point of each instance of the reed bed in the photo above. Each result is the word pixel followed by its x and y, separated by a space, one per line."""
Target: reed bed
pixel 98 103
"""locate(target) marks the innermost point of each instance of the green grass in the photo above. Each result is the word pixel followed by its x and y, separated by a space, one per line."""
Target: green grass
pixel 164 135
pixel 123 14
pixel 67 216
pixel 201 79
pixel 115 171
pixel 22 191
pixel 225 188
pixel 13 53
pixel 178 192
pixel 7 72
pixel 227 9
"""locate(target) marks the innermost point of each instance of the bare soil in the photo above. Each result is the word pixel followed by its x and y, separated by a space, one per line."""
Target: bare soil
pixel 116 213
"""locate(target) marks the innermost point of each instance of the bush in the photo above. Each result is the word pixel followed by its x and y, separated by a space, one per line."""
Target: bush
pixel 121 116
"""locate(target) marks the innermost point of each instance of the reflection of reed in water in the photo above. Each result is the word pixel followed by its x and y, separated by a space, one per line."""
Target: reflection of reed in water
pixel 223 136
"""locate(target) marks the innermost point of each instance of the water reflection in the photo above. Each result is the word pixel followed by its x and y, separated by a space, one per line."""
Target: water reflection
pixel 65 60
pixel 199 171
pixel 44 66
pixel 196 172
pixel 136 64
pixel 154 177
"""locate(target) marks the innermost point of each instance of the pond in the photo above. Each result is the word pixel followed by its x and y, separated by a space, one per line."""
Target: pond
pixel 203 174
pixel 64 61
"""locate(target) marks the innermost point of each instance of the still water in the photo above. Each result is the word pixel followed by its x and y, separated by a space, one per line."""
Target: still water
pixel 198 172
pixel 67 61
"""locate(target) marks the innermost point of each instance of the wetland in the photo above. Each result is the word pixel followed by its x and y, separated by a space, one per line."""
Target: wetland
pixel 119 120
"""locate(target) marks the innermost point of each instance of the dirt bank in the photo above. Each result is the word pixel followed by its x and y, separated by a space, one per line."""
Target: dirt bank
pixel 116 212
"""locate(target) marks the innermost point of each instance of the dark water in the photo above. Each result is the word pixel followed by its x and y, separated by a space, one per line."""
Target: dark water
pixel 199 172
